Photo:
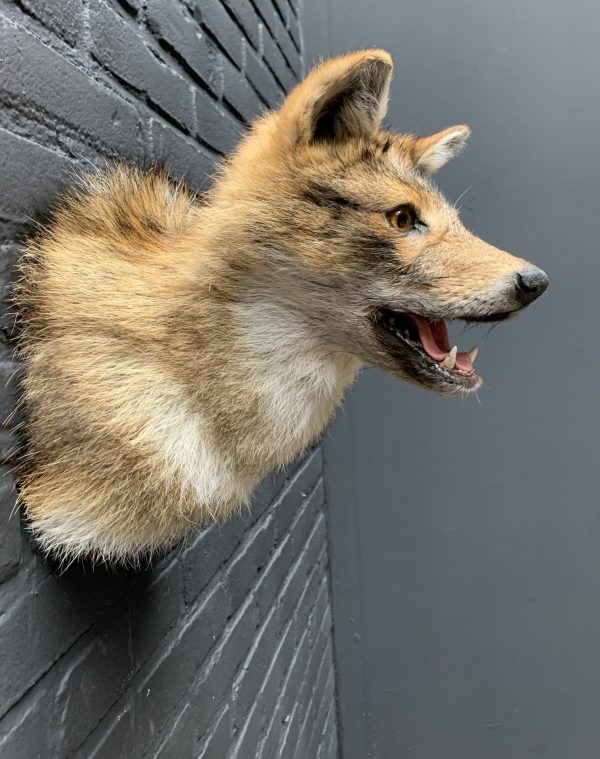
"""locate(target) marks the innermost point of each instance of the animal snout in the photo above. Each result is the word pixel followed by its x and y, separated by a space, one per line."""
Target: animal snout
pixel 530 283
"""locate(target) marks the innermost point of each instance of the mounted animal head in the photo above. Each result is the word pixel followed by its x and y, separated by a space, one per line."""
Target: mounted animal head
pixel 356 237
pixel 176 350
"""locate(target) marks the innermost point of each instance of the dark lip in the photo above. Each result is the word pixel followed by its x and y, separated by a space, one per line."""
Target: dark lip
pixel 496 317
pixel 467 317
pixel 421 368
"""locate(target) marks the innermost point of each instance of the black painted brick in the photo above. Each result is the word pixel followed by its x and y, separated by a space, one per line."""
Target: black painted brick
pixel 218 740
pixel 263 80
pixel 69 96
pixel 17 152
pixel 27 729
pixel 116 741
pixel 10 535
pixel 280 678
pixel 50 612
pixel 253 668
pixel 183 157
pixel 208 651
pixel 211 14
pixel 328 746
pixel 284 41
pixel 215 127
pixel 179 31
pixel 278 64
pixel 247 19
pixel 117 45
pixel 214 679
pixel 170 677
pixel 213 546
pixel 293 681
pixel 239 94
pixel 295 33
pixel 179 738
pixel 92 681
pixel 154 611
pixel 65 18
pixel 268 14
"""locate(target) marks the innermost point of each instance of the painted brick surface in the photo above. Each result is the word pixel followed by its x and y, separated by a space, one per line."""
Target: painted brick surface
pixel 223 648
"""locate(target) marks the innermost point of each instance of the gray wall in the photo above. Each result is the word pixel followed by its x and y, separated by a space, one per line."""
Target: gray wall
pixel 223 648
pixel 466 535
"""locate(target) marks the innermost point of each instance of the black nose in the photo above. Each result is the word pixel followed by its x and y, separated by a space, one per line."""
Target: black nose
pixel 530 283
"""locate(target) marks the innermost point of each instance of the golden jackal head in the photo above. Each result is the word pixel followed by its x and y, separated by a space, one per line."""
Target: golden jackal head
pixel 358 239
pixel 176 351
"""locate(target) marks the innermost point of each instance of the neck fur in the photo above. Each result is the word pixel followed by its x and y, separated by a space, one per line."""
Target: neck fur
pixel 300 378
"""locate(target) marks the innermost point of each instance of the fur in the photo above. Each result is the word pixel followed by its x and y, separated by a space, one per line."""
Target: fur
pixel 177 348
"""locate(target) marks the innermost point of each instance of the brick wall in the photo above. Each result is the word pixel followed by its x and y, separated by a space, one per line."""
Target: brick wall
pixel 223 648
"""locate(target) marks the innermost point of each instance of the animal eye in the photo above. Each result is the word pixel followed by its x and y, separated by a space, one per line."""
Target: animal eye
pixel 403 218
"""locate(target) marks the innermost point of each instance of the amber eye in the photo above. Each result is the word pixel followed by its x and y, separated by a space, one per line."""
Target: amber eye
pixel 403 218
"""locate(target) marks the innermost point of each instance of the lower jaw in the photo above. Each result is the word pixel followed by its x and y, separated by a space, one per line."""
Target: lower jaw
pixel 459 382
pixel 410 361
pixel 431 376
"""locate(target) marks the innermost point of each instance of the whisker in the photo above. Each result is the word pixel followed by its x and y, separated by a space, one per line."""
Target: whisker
pixel 463 193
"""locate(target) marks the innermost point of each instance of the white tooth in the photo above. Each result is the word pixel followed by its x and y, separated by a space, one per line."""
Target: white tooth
pixel 473 353
pixel 450 360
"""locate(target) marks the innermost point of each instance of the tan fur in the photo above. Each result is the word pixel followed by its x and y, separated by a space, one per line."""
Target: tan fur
pixel 178 348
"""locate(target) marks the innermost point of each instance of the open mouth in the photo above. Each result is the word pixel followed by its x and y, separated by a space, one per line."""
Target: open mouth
pixel 421 349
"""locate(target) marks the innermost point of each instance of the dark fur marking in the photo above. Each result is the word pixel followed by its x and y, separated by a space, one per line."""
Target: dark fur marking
pixel 151 224
pixel 387 144
pixel 122 222
pixel 367 156
pixel 372 244
pixel 326 197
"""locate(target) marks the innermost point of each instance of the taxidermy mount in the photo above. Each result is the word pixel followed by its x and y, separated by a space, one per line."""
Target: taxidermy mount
pixel 176 348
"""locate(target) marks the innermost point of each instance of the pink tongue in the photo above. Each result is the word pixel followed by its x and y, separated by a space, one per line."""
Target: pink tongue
pixel 434 337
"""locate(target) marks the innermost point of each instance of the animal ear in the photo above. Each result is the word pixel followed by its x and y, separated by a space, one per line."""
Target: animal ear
pixel 343 97
pixel 431 153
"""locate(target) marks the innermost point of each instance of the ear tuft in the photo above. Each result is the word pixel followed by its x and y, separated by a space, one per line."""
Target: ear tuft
pixel 341 98
pixel 433 152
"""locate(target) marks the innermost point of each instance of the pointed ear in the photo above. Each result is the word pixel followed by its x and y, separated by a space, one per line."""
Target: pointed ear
pixel 431 153
pixel 343 97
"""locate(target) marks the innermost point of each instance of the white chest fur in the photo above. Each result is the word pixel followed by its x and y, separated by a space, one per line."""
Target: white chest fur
pixel 300 380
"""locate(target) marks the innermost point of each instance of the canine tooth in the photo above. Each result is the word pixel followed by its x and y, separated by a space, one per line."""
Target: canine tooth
pixel 450 360
pixel 473 353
